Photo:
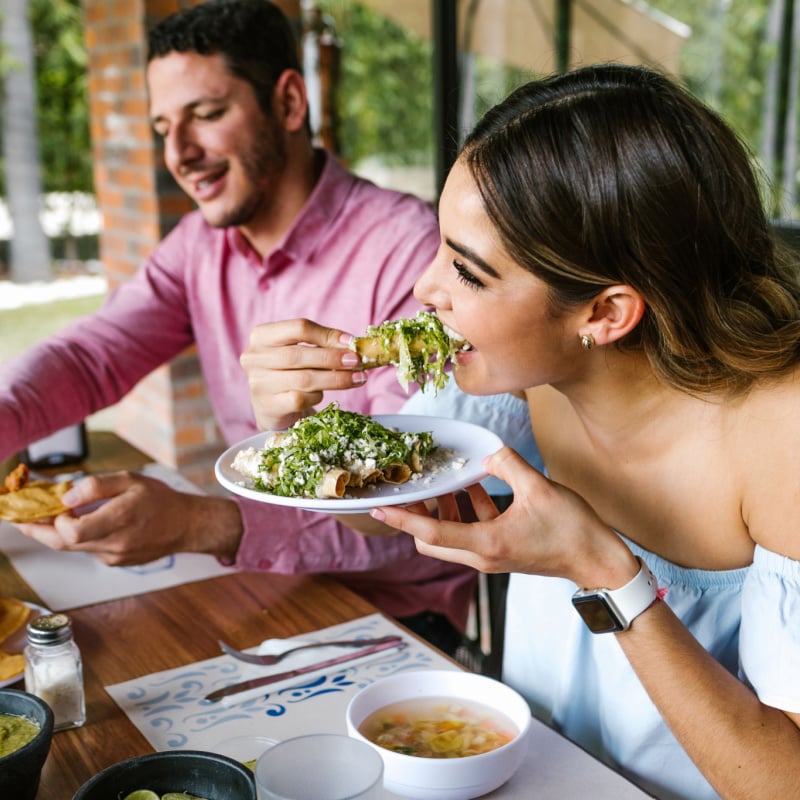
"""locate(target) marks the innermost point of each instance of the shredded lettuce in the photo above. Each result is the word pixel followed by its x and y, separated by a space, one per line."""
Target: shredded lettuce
pixel 331 439
pixel 423 345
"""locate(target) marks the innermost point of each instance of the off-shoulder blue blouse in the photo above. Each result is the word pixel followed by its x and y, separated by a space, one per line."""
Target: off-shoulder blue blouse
pixel 582 684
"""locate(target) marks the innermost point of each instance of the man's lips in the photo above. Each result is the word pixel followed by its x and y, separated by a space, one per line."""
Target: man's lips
pixel 205 185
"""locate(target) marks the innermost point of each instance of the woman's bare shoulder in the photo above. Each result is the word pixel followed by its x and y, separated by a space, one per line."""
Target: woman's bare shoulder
pixel 767 448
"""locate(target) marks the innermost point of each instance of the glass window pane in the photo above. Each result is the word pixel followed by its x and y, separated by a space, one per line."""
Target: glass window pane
pixel 742 57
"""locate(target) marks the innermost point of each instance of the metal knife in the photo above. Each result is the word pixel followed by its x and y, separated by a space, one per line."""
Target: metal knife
pixel 255 683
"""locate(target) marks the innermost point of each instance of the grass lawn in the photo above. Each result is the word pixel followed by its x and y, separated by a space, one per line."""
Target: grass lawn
pixel 22 327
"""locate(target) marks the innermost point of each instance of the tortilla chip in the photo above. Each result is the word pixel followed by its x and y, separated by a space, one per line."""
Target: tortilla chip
pixel 17 478
pixel 13 615
pixel 35 502
pixel 11 665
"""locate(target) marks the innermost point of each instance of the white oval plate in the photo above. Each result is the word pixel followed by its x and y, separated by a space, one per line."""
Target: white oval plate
pixel 469 442
pixel 17 641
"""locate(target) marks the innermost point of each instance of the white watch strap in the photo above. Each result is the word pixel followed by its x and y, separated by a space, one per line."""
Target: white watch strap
pixel 637 595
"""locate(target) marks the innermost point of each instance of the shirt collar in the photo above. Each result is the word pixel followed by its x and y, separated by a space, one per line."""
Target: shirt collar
pixel 323 205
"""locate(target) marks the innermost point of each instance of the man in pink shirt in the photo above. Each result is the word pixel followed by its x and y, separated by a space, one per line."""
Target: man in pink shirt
pixel 282 232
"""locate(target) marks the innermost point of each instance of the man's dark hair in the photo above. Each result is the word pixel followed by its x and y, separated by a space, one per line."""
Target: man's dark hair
pixel 253 36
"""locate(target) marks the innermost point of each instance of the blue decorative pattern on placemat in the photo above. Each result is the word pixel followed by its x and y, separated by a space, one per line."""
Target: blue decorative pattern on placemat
pixel 170 710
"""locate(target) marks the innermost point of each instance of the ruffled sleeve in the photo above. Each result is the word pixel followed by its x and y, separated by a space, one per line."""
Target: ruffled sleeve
pixel 504 414
pixel 769 640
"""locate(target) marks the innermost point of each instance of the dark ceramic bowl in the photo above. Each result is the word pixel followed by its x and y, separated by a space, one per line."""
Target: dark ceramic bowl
pixel 20 770
pixel 204 774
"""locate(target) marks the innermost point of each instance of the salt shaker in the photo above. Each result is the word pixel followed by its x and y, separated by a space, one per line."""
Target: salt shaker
pixel 53 669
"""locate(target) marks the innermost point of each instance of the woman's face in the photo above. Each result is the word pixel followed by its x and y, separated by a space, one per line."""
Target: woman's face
pixel 479 291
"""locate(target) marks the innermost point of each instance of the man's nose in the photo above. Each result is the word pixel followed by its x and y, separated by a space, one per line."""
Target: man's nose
pixel 180 149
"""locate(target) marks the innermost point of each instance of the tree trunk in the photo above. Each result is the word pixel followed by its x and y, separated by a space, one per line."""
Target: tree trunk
pixel 29 250
pixel 790 177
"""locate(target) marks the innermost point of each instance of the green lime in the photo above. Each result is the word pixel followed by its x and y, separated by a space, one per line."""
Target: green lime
pixel 142 794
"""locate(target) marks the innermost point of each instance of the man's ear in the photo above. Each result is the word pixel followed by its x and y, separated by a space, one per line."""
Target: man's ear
pixel 290 101
pixel 614 313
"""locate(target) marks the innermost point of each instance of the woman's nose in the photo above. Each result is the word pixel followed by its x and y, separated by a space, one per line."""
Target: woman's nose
pixel 429 288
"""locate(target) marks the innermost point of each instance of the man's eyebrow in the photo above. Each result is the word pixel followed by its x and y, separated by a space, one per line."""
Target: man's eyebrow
pixel 472 257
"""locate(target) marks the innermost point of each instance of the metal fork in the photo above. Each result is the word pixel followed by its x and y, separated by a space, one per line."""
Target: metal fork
pixel 268 660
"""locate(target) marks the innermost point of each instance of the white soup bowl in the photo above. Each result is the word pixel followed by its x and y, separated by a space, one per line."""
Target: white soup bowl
pixel 463 778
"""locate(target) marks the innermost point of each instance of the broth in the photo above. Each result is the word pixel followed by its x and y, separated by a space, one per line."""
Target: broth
pixel 438 727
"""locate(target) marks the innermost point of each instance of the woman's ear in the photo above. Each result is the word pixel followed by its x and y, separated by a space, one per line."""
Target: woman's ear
pixel 614 313
pixel 290 101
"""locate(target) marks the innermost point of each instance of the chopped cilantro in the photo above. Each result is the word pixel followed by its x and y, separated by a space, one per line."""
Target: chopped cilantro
pixel 331 439
pixel 423 347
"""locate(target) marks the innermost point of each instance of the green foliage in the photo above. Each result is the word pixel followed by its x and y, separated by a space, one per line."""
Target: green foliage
pixel 726 63
pixel 386 94
pixel 63 89
pixel 733 45
pixel 62 96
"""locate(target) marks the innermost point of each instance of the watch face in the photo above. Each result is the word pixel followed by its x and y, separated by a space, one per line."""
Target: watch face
pixel 597 614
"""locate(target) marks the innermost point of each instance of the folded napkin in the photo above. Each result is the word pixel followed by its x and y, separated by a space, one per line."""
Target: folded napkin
pixel 294 661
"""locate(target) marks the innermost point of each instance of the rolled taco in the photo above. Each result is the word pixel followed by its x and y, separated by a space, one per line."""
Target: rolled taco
pixel 324 454
pixel 419 347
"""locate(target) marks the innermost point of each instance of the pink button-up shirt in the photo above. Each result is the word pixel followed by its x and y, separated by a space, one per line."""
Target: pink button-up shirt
pixel 349 260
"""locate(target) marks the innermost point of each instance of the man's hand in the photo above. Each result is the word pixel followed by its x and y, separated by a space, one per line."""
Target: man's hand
pixel 124 518
pixel 290 364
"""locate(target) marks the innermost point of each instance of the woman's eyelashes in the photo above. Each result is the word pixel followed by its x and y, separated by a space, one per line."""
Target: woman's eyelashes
pixel 465 276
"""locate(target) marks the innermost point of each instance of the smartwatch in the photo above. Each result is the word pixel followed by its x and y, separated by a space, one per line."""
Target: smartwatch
pixel 607 611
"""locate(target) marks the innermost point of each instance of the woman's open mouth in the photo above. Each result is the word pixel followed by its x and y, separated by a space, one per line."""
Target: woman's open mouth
pixel 458 343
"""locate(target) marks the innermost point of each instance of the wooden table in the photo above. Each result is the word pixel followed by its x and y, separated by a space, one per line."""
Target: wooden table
pixel 133 636
pixel 161 630
pixel 123 639
pixel 107 451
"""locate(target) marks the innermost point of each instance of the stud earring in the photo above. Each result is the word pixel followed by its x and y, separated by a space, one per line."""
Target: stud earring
pixel 587 341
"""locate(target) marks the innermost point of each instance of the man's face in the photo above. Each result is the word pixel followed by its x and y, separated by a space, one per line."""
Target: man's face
pixel 218 144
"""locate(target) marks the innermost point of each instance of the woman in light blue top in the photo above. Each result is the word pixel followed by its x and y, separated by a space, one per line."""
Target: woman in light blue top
pixel 505 414
pixel 604 250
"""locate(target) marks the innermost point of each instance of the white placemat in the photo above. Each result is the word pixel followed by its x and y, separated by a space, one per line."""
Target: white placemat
pixel 67 580
pixel 169 709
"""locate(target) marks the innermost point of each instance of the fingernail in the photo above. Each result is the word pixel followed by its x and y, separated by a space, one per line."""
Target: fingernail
pixel 350 360
pixel 346 338
pixel 377 513
pixel 70 497
pixel 359 377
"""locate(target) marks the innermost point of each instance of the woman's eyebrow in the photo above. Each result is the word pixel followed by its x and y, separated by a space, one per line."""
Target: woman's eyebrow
pixel 472 257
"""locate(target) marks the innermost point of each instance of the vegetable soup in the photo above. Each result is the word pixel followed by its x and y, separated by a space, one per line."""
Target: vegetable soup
pixel 438 727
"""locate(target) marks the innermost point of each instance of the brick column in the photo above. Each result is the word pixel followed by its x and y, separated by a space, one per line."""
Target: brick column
pixel 167 415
